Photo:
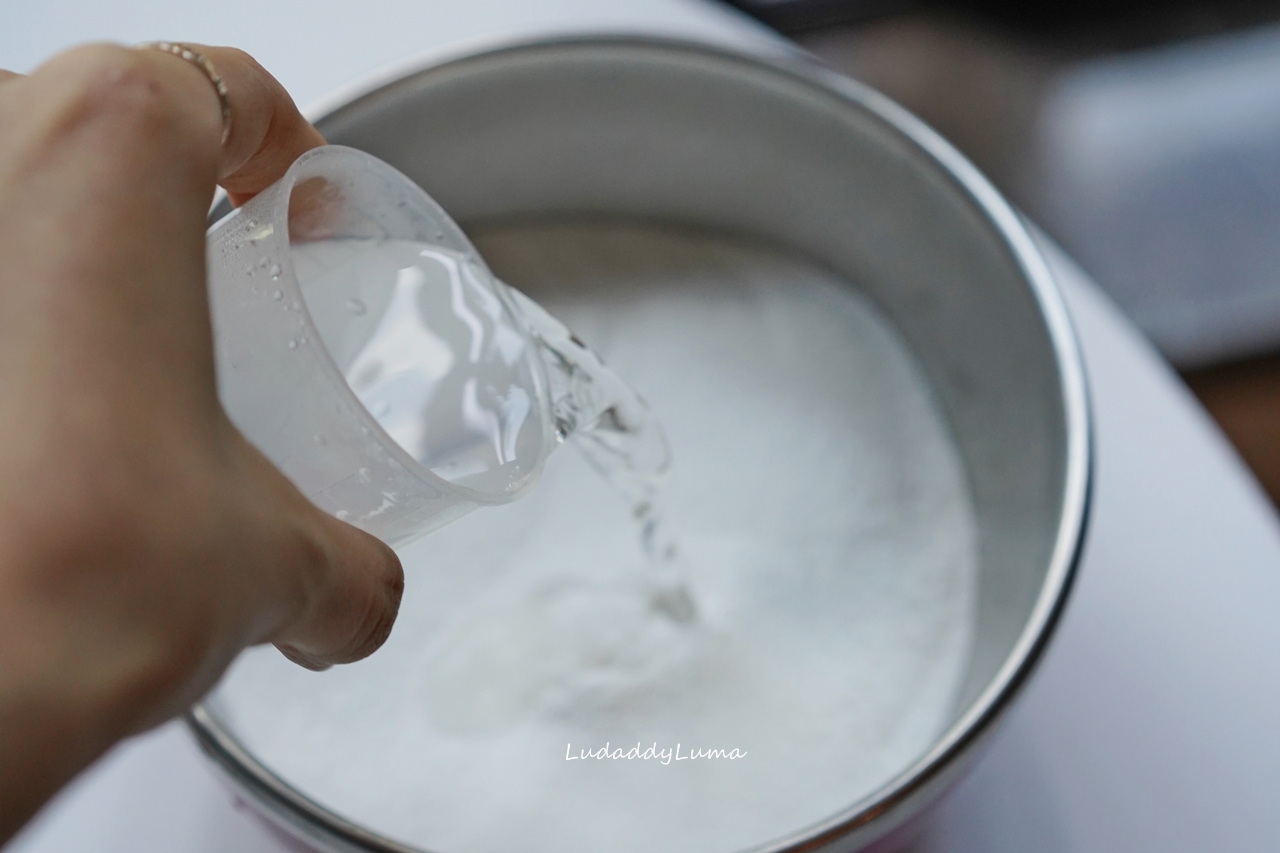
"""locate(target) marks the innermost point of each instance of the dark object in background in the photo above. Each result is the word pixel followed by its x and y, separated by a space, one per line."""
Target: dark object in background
pixel 1137 22
pixel 1119 23
pixel 791 16
pixel 1244 398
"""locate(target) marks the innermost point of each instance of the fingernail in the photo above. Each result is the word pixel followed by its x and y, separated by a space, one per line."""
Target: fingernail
pixel 302 660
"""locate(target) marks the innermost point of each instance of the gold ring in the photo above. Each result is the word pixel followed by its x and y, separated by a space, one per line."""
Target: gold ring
pixel 199 60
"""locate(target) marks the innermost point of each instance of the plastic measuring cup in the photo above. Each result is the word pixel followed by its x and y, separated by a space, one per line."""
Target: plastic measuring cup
pixel 342 292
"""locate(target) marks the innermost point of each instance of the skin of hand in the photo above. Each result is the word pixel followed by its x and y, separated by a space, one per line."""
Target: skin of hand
pixel 143 541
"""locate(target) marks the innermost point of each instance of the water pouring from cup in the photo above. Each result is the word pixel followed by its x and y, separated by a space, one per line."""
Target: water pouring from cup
pixel 366 348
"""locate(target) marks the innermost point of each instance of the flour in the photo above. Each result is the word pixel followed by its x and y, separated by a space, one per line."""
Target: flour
pixel 828 541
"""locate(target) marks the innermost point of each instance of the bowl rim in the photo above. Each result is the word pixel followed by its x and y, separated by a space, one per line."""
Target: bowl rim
pixel 931 773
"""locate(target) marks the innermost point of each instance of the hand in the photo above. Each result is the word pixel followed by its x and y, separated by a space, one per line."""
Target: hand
pixel 143 541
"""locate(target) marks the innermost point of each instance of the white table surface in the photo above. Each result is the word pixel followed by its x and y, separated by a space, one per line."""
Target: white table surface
pixel 1150 725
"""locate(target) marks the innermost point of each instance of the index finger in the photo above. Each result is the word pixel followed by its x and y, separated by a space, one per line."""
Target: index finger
pixel 267 131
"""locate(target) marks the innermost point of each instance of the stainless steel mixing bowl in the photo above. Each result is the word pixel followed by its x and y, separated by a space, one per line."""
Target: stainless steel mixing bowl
pixel 784 152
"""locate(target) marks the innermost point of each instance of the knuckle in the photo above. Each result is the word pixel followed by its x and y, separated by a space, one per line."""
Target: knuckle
pixel 131 91
pixel 117 81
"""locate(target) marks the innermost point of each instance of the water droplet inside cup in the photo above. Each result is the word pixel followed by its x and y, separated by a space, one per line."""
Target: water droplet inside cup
pixel 355 306
pixel 293 344
pixel 262 262
pixel 275 271
pixel 277 295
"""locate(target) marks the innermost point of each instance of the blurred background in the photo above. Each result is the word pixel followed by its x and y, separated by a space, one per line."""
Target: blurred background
pixel 1144 136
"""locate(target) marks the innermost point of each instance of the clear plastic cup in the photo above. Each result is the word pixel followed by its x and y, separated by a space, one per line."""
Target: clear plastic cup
pixel 363 345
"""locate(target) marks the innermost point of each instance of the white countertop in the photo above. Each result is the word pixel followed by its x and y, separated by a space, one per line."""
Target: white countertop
pixel 1150 723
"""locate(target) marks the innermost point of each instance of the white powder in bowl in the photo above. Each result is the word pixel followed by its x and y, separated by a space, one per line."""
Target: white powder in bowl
pixel 831 548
